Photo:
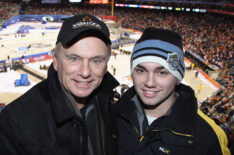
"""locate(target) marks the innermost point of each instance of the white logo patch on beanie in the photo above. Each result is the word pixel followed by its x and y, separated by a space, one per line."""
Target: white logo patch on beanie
pixel 173 61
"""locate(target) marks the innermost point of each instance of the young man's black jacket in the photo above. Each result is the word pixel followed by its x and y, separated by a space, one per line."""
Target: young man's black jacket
pixel 182 131
pixel 41 122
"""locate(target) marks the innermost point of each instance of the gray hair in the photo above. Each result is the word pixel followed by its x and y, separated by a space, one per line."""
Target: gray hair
pixel 57 48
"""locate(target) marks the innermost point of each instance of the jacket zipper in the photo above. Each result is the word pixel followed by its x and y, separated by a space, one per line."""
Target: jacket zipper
pixel 174 132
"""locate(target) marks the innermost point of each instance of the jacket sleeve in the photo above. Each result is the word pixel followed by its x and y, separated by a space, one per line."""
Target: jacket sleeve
pixel 222 137
pixel 9 135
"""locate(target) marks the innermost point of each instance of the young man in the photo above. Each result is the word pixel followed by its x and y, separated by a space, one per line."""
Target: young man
pixel 69 112
pixel 159 114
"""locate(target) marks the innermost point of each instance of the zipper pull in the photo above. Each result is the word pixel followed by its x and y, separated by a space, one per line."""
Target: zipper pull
pixel 141 138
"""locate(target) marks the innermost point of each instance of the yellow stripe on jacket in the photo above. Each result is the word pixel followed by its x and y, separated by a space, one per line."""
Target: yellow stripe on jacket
pixel 219 132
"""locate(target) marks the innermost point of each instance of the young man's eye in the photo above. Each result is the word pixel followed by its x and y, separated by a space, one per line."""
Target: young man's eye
pixel 163 72
pixel 139 70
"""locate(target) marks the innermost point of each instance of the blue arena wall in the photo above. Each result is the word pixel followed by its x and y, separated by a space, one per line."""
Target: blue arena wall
pixel 38 18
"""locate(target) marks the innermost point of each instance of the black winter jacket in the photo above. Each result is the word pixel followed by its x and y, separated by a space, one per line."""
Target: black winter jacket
pixel 40 122
pixel 184 131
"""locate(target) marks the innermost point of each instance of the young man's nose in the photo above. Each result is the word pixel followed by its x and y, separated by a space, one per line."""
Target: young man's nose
pixel 150 80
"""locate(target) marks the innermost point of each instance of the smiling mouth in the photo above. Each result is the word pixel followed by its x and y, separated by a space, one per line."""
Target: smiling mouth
pixel 148 93
pixel 84 83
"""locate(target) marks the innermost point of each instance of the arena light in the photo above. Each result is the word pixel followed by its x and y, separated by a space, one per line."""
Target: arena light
pixel 196 10
pixel 170 8
pixel 147 6
pixel 50 1
pixel 98 1
pixel 163 8
pixel 203 10
pixel 133 6
pixel 75 1
pixel 157 7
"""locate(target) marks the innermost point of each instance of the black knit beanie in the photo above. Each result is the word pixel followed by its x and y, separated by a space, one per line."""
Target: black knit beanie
pixel 160 46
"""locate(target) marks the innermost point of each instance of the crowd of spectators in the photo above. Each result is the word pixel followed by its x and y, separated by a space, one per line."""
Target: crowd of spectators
pixel 8 10
pixel 219 107
pixel 208 35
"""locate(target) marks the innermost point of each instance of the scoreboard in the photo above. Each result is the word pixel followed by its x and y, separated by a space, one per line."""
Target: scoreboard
pixel 98 1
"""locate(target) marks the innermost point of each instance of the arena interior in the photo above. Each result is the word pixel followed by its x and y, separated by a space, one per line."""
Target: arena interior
pixel 28 31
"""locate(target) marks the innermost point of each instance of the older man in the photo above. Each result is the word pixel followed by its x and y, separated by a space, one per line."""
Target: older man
pixel 70 111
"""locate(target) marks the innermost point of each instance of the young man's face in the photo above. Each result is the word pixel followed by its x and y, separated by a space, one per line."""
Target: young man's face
pixel 153 83
pixel 82 66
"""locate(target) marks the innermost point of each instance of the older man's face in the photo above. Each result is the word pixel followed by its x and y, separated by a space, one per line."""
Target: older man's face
pixel 82 66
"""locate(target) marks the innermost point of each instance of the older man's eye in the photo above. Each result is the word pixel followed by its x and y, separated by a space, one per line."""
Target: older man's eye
pixel 96 61
pixel 73 59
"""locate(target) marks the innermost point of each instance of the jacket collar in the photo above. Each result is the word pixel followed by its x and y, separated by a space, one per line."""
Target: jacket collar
pixel 181 117
pixel 183 112
pixel 62 112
